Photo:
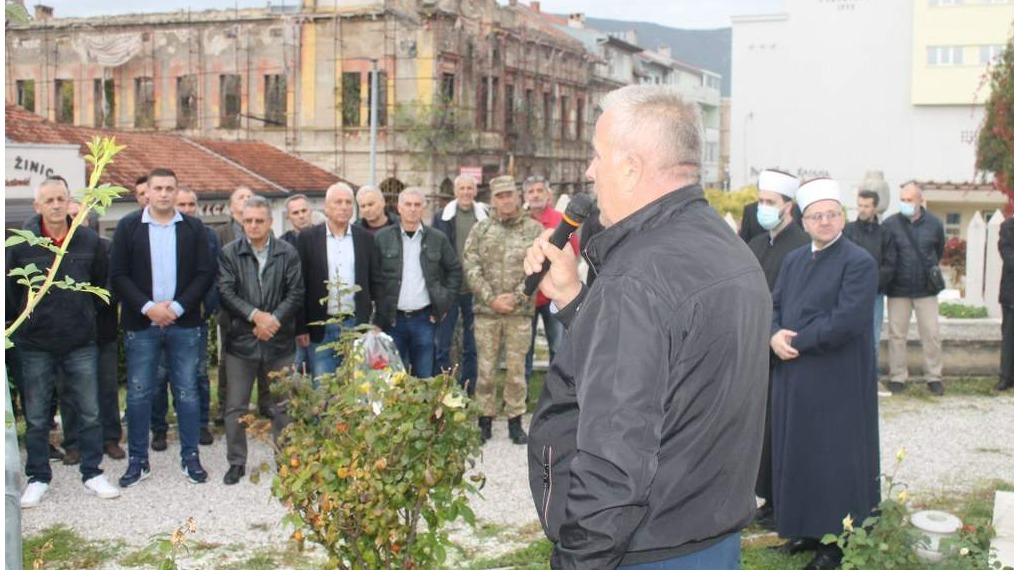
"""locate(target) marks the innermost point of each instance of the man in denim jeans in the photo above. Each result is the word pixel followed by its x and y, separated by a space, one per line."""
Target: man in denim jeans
pixel 57 344
pixel 161 269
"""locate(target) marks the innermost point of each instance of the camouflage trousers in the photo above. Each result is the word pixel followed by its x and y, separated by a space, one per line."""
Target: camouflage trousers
pixel 516 333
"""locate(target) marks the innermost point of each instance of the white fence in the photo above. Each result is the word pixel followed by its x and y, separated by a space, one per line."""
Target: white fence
pixel 982 262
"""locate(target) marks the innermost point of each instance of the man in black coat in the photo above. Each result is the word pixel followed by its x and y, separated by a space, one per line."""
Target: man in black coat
pixel 260 284
pixel 867 233
pixel 334 256
pixel 417 276
pixel 161 269
pixel 1006 245
pixel 919 237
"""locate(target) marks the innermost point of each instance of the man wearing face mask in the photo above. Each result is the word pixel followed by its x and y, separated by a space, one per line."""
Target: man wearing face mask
pixel 919 236
pixel 776 191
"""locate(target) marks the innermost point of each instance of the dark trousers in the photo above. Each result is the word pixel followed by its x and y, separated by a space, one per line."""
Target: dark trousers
pixel 242 374
pixel 76 374
pixel 725 555
pixel 109 400
pixel 160 400
pixel 765 471
pixel 469 366
pixel 413 335
pixel 1007 345
pixel 263 388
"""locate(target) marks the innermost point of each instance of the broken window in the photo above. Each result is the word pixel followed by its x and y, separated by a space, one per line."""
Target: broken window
pixel 351 98
pixel 229 101
pixel 509 110
pixel 144 103
pixel 64 90
pixel 381 97
pixel 186 102
pixel 104 103
pixel 26 93
pixel 275 95
pixel 564 122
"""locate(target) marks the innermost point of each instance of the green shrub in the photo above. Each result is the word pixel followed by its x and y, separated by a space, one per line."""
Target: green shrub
pixel 958 311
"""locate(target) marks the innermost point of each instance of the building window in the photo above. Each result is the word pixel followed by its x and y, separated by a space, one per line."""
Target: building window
pixel 229 104
pixel 381 97
pixel 105 103
pixel 26 93
pixel 945 55
pixel 351 98
pixel 487 103
pixel 64 90
pixel 529 111
pixel 186 102
pixel 564 119
pixel 275 101
pixel 952 224
pixel 508 118
pixel 579 119
pixel 547 114
pixel 990 54
pixel 144 103
pixel 447 87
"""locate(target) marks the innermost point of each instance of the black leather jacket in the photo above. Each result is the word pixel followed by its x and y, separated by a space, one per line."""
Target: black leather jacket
pixel 278 291
pixel 647 436
pixel 911 278
pixel 440 266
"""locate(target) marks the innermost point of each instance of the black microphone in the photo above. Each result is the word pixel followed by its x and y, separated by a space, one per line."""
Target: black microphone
pixel 577 211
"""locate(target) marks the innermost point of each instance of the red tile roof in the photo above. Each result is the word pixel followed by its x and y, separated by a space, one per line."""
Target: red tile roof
pixel 208 167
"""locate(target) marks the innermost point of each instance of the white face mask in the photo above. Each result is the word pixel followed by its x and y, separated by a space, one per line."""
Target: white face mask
pixel 906 209
pixel 768 216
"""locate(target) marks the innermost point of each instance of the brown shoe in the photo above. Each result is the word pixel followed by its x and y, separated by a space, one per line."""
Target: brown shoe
pixel 71 456
pixel 113 450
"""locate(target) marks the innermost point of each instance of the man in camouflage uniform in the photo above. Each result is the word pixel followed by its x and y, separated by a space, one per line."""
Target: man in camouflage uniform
pixel 493 261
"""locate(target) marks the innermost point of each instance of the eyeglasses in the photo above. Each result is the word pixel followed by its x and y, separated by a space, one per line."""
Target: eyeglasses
pixel 829 216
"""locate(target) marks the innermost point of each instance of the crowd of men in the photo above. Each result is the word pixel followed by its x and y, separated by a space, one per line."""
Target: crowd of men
pixel 698 373
pixel 169 274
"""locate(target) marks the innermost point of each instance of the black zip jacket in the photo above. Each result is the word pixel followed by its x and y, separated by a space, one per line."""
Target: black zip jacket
pixel 911 275
pixel 879 242
pixel 64 320
pixel 647 436
pixel 279 291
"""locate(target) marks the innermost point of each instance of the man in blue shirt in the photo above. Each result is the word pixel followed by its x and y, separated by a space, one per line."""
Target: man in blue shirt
pixel 161 268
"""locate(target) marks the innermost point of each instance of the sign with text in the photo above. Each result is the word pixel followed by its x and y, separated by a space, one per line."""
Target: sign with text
pixel 473 171
pixel 27 165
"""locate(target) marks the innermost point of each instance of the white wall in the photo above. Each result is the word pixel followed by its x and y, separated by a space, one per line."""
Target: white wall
pixel 826 90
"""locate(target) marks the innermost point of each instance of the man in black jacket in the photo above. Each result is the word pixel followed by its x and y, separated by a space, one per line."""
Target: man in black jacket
pixel 161 269
pixel 1006 245
pixel 334 256
pixel 919 236
pixel 867 233
pixel 646 440
pixel 417 276
pixel 260 284
pixel 58 343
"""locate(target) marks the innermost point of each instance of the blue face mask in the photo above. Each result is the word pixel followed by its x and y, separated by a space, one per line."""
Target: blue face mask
pixel 768 216
pixel 906 209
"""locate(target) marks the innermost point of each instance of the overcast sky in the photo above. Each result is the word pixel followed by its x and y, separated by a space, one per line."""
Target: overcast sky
pixel 673 13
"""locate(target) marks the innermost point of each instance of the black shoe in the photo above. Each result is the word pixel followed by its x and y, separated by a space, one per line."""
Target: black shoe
pixel 896 387
pixel 486 428
pixel 191 467
pixel 268 413
pixel 54 453
pixel 206 437
pixel 220 421
pixel 765 517
pixel 1005 384
pixel 136 472
pixel 936 387
pixel 828 558
pixel 234 474
pixel 516 432
pixel 158 441
pixel 796 545
pixel 71 456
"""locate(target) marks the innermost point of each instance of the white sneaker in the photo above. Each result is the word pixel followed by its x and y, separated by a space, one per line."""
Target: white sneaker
pixel 33 494
pixel 100 486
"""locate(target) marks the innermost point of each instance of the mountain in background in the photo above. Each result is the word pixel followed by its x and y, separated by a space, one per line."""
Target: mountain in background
pixel 707 49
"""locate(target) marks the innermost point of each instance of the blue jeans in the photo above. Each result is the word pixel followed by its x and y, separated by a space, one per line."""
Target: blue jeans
pixel 76 372
pixel 326 360
pixel 144 350
pixel 109 400
pixel 725 555
pixel 554 336
pixel 878 323
pixel 469 366
pixel 414 338
pixel 304 359
pixel 160 400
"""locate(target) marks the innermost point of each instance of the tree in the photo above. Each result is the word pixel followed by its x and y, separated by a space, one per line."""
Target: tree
pixel 435 131
pixel 995 150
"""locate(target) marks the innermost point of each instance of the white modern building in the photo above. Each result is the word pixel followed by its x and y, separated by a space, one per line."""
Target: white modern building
pixel 842 87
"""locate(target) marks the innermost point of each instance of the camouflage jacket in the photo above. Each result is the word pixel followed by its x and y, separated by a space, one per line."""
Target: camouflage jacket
pixel 493 261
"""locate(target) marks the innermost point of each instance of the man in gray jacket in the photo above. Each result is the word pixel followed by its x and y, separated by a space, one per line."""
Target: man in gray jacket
pixel 261 287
